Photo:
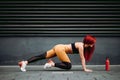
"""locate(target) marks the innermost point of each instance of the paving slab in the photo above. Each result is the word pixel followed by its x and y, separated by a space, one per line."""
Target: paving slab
pixel 36 72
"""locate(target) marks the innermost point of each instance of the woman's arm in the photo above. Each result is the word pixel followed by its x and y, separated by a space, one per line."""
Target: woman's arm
pixel 81 50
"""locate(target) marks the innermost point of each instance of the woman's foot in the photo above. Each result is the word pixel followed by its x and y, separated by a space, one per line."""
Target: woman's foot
pixel 49 64
pixel 22 65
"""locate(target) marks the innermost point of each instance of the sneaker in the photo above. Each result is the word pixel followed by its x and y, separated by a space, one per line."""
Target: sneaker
pixel 49 64
pixel 22 65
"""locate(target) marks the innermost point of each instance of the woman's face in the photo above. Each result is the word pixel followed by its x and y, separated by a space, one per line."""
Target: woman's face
pixel 88 45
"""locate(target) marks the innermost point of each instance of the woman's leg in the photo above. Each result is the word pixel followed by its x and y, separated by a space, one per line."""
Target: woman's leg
pixel 46 55
pixel 23 64
pixel 62 55
pixel 64 65
pixel 36 58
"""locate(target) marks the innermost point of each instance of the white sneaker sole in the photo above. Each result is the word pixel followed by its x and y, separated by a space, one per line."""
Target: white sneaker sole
pixel 22 68
pixel 47 65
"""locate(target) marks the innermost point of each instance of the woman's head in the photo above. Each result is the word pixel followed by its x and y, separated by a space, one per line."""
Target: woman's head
pixel 89 46
pixel 88 39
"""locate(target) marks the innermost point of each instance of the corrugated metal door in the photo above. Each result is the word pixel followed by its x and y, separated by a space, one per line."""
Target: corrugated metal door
pixel 59 18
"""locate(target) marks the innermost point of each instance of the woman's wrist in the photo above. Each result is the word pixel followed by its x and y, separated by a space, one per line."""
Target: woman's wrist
pixel 84 69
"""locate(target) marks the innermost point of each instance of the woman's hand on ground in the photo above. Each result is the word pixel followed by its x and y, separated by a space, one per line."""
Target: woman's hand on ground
pixel 88 70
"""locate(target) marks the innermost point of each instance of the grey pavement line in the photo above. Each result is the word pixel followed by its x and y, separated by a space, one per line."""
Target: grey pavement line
pixel 63 72
pixel 72 66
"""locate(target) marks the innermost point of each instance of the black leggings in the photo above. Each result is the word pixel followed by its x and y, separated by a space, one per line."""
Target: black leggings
pixel 36 58
pixel 63 65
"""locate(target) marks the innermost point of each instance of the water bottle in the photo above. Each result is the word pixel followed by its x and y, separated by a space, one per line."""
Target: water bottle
pixel 107 64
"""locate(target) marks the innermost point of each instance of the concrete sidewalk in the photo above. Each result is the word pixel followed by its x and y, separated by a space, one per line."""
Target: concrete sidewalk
pixel 36 72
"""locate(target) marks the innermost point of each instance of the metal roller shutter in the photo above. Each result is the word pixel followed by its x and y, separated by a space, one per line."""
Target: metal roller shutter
pixel 59 18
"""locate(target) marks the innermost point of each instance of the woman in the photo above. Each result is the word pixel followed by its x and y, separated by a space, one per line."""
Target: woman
pixel 84 49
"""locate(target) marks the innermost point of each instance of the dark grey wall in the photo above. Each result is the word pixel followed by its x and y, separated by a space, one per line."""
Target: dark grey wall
pixel 13 49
